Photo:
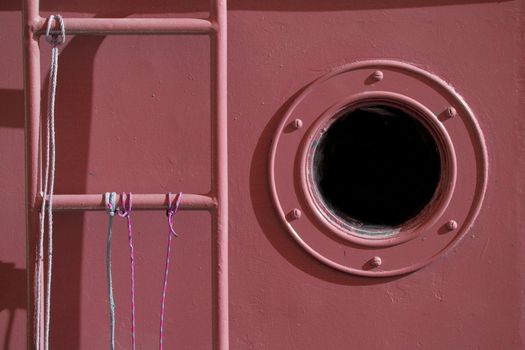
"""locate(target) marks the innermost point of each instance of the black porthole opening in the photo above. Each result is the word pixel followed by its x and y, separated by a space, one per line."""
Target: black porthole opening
pixel 376 165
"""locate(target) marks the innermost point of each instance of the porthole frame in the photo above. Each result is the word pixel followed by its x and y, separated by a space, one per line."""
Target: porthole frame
pixel 432 233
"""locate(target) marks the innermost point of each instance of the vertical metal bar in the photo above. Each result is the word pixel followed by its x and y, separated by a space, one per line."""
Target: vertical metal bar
pixel 32 116
pixel 220 171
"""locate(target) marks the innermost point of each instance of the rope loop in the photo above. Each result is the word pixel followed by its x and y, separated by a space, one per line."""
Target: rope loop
pixel 125 211
pixel 110 200
pixel 173 207
pixel 54 37
pixel 111 208
pixel 126 204
pixel 49 178
pixel 172 210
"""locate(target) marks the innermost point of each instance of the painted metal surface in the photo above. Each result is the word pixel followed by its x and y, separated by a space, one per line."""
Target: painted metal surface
pixel 151 96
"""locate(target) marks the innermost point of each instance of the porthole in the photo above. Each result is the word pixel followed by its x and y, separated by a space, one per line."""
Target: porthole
pixel 378 168
pixel 375 167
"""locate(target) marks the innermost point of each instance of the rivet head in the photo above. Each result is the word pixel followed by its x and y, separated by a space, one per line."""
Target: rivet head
pixel 377 75
pixel 376 261
pixel 451 112
pixel 296 214
pixel 297 124
pixel 452 225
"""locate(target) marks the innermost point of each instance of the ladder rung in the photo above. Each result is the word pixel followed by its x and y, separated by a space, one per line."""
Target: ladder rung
pixel 87 202
pixel 106 26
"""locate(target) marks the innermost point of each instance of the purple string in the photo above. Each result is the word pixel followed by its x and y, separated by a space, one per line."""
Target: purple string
pixel 126 212
pixel 172 210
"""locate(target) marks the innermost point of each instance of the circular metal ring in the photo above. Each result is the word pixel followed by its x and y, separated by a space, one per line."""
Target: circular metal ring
pixel 421 239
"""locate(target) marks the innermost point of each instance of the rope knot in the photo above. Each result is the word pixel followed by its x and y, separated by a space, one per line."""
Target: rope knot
pixel 126 205
pixel 55 37
pixel 172 210
pixel 111 203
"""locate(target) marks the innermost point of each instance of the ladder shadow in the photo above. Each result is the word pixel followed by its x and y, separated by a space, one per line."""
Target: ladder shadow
pixel 73 124
pixel 73 120
pixel 12 296
pixel 114 8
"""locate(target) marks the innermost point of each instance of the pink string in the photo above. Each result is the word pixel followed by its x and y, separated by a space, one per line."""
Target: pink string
pixel 126 212
pixel 172 210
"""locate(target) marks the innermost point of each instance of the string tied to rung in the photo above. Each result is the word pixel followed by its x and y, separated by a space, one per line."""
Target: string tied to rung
pixel 125 211
pixel 46 210
pixel 111 209
pixel 172 210
pixel 54 37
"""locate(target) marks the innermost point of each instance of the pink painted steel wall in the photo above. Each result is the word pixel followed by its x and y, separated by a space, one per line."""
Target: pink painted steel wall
pixel 133 115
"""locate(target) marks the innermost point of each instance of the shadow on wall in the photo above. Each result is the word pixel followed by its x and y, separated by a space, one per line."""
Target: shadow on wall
pixel 12 295
pixel 73 113
pixel 71 177
pixel 12 102
pixel 114 8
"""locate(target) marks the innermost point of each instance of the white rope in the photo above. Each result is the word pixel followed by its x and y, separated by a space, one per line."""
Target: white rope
pixel 55 39
pixel 111 208
pixel 39 266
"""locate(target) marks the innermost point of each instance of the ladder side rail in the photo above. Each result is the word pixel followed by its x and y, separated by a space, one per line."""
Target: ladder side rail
pixel 219 97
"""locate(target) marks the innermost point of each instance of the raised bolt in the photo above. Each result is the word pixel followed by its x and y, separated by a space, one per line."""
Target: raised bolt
pixel 376 261
pixel 378 75
pixel 297 123
pixel 296 214
pixel 451 112
pixel 452 225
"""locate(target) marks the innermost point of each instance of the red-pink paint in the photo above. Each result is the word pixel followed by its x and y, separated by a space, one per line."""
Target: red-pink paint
pixel 151 95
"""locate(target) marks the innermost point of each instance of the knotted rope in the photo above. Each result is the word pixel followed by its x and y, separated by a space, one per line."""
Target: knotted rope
pixel 55 39
pixel 111 208
pixel 126 212
pixel 172 210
